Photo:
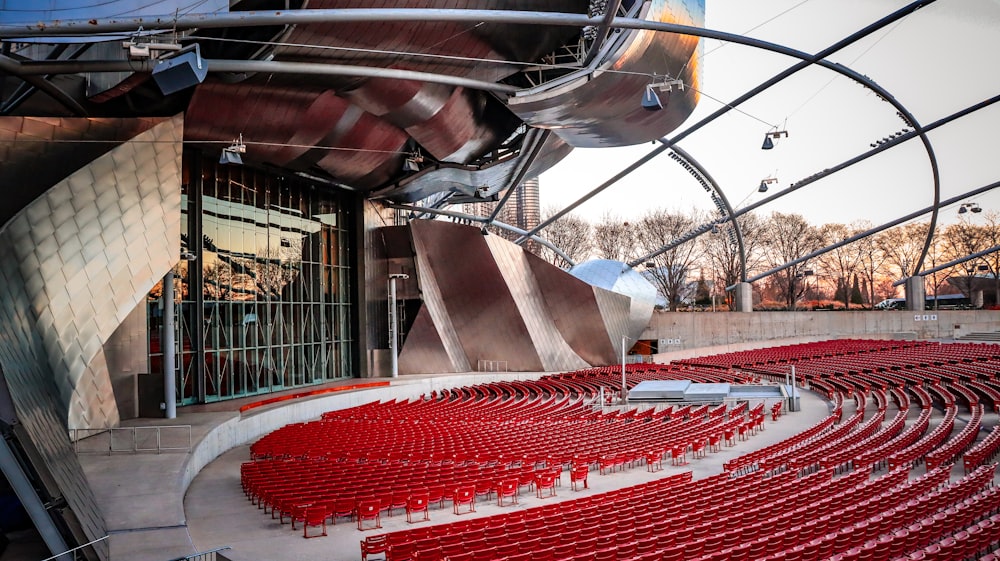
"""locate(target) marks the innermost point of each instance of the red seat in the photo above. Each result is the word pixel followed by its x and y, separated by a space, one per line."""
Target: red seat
pixel 506 488
pixel 314 516
pixel 577 474
pixel 546 481
pixel 373 545
pixel 343 507
pixel 417 503
pixel 369 509
pixel 465 495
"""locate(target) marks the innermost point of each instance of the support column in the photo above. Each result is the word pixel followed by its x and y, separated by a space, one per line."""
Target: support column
pixel 33 505
pixel 744 297
pixel 915 294
pixel 168 346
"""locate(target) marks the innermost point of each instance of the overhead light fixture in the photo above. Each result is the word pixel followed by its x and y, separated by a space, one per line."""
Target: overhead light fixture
pixel 765 182
pixel 233 154
pixel 412 162
pixel 769 138
pixel 969 207
pixel 651 101
pixel 180 70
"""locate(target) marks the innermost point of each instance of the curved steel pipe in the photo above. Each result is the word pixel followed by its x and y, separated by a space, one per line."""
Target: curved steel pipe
pixel 483 220
pixel 725 202
pixel 829 171
pixel 806 60
pixel 872 231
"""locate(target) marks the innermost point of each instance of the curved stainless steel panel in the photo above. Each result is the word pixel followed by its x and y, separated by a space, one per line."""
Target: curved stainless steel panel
pixel 576 313
pixel 494 177
pixel 603 108
pixel 284 124
pixel 553 350
pixel 622 279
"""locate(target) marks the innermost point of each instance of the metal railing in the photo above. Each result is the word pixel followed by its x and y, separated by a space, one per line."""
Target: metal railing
pixel 164 438
pixel 210 555
pixel 74 551
pixel 491 366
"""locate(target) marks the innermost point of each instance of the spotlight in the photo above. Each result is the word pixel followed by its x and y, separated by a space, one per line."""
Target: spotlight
pixel 765 182
pixel 412 163
pixel 232 154
pixel 651 101
pixel 768 136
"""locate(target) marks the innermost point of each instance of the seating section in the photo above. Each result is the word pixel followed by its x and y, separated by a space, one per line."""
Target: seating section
pixel 874 480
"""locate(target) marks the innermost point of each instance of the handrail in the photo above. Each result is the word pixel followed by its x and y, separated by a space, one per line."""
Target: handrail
pixel 203 555
pixel 79 435
pixel 58 555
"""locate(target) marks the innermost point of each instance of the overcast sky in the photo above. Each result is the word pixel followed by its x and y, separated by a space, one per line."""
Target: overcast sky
pixel 936 61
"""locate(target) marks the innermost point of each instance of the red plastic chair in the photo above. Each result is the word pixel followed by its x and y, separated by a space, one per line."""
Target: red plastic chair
pixel 343 508
pixel 314 516
pixel 398 500
pixel 465 495
pixel 369 509
pixel 546 481
pixel 416 504
pixel 373 545
pixel 506 488
pixel 577 474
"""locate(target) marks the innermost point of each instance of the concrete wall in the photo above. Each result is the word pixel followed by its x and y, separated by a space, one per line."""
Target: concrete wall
pixel 700 333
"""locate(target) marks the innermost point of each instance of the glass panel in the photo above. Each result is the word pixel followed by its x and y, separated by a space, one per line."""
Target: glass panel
pixel 272 255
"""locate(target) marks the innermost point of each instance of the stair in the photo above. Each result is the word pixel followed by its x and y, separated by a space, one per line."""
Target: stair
pixel 980 336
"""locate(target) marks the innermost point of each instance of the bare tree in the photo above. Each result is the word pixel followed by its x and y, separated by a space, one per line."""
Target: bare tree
pixel 871 261
pixel 991 238
pixel 672 267
pixel 841 263
pixel 959 240
pixel 902 246
pixel 789 238
pixel 571 234
pixel 615 238
pixel 722 252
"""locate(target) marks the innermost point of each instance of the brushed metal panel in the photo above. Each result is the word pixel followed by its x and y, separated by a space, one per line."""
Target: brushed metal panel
pixel 615 313
pixel 603 108
pixel 357 147
pixel 575 312
pixel 465 180
pixel 474 294
pixel 433 298
pixel 553 350
pixel 424 351
pixel 619 277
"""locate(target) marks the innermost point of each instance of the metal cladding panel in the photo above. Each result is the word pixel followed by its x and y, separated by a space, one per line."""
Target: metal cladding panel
pixel 615 313
pixel 619 277
pixel 603 108
pixel 465 180
pixel 434 305
pixel 282 124
pixel 38 152
pixel 552 348
pixel 474 294
pixel 64 294
pixel 575 312
pixel 424 351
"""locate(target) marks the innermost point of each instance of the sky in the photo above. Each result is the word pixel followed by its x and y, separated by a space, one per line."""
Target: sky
pixel 936 61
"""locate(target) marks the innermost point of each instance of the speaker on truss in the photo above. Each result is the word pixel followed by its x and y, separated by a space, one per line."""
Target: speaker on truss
pixel 183 69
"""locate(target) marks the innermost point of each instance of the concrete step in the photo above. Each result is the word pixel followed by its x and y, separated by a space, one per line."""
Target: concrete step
pixel 981 336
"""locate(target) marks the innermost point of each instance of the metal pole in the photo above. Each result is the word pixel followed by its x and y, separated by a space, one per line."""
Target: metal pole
pixel 32 504
pixel 624 384
pixel 394 322
pixel 793 407
pixel 168 347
